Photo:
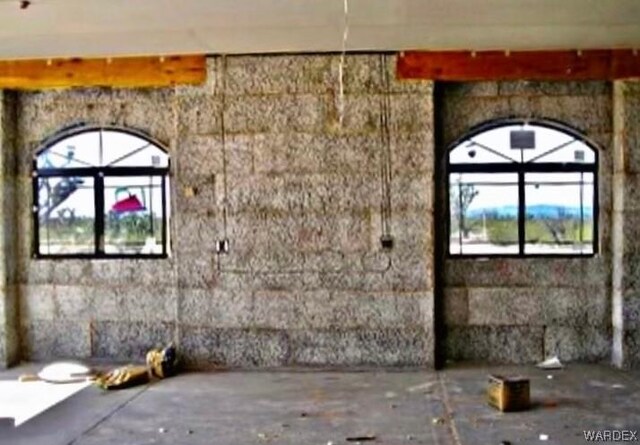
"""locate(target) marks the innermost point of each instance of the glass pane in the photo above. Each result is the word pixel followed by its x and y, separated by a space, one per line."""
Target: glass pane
pixel 133 215
pixel 82 150
pixel 102 148
pixel 549 143
pixel 125 150
pixel 497 141
pixel 575 151
pixel 494 146
pixel 559 213
pixel 66 215
pixel 473 153
pixel 484 213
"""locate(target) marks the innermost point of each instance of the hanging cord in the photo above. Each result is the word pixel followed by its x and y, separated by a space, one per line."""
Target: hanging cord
pixel 224 147
pixel 173 193
pixel 345 36
pixel 223 244
pixel 387 131
pixel 385 155
pixel 383 191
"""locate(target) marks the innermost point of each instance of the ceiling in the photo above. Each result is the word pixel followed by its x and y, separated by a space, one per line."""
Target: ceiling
pixel 86 28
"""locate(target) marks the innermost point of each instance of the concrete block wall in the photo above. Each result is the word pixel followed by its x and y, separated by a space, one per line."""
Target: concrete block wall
pixel 522 310
pixel 626 225
pixel 306 281
pixel 9 329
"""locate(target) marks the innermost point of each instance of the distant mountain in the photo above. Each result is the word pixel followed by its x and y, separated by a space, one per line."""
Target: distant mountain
pixel 536 211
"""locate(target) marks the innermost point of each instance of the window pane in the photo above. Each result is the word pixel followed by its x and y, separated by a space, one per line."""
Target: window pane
pixel 66 215
pixel 81 150
pixel 494 146
pixel 559 213
pixel 551 146
pixel 575 151
pixel 472 153
pixel 102 148
pixel 484 213
pixel 490 146
pixel 133 215
pixel 125 150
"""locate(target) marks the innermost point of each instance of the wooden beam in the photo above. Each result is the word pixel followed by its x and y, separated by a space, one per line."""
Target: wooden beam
pixel 525 65
pixel 126 72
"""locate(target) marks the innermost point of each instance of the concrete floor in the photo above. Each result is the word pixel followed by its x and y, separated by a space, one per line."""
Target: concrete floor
pixel 314 407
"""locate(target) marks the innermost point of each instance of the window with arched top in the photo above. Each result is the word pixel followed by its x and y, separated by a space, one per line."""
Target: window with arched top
pixel 522 188
pixel 101 192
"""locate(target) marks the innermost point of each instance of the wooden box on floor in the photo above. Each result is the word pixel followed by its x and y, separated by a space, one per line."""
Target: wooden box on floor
pixel 508 393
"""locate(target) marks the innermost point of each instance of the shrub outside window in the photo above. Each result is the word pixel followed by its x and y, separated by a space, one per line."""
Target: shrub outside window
pixel 101 192
pixel 520 188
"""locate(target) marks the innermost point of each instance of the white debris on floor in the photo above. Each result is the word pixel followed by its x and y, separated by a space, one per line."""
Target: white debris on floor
pixel 25 400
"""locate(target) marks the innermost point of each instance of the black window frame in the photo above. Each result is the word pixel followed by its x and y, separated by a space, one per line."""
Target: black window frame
pixel 521 169
pixel 98 174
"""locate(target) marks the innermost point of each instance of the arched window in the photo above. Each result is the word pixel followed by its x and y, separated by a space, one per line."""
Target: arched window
pixel 101 192
pixel 522 188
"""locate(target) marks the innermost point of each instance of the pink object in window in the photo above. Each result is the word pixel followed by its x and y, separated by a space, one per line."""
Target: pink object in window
pixel 129 204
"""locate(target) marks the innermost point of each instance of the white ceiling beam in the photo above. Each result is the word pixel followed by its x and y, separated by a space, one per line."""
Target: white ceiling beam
pixel 97 28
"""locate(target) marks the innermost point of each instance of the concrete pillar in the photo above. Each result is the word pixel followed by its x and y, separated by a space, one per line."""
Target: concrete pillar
pixel 626 225
pixel 9 319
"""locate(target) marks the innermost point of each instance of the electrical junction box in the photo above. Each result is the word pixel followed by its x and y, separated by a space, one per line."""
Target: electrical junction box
pixel 523 139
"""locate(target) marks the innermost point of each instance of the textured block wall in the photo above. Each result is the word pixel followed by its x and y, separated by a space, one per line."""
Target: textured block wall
pixel 521 310
pixel 9 330
pixel 306 281
pixel 626 225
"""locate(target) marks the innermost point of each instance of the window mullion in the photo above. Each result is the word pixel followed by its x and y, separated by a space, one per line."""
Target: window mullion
pixel 164 214
pixel 99 213
pixel 595 234
pixel 521 212
pixel 35 210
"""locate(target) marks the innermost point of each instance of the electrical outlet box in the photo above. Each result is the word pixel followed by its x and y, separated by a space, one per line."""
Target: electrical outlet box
pixel 386 241
pixel 523 139
pixel 222 246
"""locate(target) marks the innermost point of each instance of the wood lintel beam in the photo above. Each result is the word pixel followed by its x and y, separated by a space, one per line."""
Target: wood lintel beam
pixel 607 64
pixel 121 72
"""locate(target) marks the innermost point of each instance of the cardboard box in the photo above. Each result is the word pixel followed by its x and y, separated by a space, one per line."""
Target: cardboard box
pixel 508 393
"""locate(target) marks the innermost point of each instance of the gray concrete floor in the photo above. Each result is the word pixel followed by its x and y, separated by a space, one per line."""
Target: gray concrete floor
pixel 318 407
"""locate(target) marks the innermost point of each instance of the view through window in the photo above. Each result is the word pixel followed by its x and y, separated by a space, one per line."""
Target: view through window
pixel 101 192
pixel 522 189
